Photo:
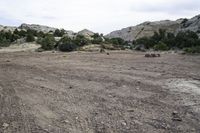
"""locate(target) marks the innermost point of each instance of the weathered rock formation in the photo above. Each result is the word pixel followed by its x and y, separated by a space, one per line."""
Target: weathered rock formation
pixel 147 29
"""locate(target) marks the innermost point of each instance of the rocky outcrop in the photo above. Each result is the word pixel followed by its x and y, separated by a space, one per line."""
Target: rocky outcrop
pixel 86 33
pixel 145 29
pixel 192 24
pixel 7 28
pixel 45 29
pixel 36 27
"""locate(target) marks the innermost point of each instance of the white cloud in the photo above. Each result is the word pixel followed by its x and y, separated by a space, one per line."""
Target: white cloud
pixel 98 15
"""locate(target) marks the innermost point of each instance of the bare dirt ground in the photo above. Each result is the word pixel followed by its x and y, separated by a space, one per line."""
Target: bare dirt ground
pixel 123 92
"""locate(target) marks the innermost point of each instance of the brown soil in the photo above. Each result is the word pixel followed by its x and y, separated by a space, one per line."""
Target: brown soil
pixel 122 92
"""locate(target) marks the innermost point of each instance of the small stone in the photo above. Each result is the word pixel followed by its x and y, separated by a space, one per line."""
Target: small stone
pixel 66 121
pixel 110 95
pixel 124 123
pixel 5 125
pixel 174 113
pixel 175 116
pixel 77 118
pixel 130 110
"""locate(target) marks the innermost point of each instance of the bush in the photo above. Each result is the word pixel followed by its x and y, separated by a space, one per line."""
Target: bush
pixel 192 49
pixel 47 43
pixel 66 44
pixel 30 38
pixel 97 39
pixel 5 38
pixel 59 33
pixel 4 42
pixel 161 46
pixel 81 40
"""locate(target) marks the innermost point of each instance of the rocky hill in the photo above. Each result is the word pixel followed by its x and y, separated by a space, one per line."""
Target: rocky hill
pixel 147 29
pixel 7 28
pixel 192 24
pixel 36 27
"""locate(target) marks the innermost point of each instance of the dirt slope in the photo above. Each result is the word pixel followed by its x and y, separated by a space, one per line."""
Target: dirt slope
pixel 122 92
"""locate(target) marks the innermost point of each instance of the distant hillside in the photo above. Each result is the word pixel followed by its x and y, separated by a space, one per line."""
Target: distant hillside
pixel 36 27
pixel 147 29
pixel 7 28
pixel 192 24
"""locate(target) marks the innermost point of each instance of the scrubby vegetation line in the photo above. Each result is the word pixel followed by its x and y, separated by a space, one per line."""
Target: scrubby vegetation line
pixel 59 40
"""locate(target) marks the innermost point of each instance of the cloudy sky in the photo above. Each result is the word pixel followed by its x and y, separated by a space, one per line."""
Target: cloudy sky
pixel 101 16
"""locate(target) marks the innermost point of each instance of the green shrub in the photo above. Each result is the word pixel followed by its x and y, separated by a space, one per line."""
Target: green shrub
pixel 30 38
pixel 81 40
pixel 66 44
pixel 5 38
pixel 195 49
pixel 161 46
pixel 97 39
pixel 47 43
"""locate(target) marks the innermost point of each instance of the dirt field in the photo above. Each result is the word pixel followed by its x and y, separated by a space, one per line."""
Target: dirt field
pixel 123 92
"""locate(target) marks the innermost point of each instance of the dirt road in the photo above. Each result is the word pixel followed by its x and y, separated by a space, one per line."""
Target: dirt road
pixel 123 92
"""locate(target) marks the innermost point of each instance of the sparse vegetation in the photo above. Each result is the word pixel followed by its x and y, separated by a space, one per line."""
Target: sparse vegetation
pixel 162 40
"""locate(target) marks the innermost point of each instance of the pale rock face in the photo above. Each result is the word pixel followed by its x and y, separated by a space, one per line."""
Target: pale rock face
pixel 145 29
pixel 42 28
pixel 192 24
pixel 36 27
pixel 87 33
pixel 7 28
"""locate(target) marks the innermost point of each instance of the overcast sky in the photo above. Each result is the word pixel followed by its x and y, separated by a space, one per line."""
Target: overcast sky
pixel 101 16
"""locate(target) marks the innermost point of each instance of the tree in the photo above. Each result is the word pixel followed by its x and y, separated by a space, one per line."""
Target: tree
pixel 66 44
pixel 59 33
pixel 22 33
pixel 97 39
pixel 186 39
pixel 41 34
pixel 30 38
pixel 5 38
pixel 161 46
pixel 80 40
pixel 47 43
